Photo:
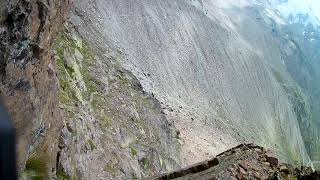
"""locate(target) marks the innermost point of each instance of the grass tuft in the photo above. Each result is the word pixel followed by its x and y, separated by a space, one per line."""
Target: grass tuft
pixel 36 167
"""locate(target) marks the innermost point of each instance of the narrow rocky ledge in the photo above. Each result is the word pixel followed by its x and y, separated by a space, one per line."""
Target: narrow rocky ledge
pixel 246 161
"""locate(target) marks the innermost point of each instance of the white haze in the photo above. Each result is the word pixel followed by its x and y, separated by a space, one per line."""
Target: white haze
pixel 294 7
pixel 291 7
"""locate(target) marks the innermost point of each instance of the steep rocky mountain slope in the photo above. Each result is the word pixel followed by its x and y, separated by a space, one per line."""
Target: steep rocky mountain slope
pixel 217 71
pixel 305 38
pixel 147 86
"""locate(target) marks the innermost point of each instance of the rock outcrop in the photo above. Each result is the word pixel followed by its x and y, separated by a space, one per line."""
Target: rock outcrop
pixel 246 161
pixel 29 82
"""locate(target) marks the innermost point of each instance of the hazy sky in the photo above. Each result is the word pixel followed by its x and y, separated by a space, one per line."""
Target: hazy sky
pixel 311 7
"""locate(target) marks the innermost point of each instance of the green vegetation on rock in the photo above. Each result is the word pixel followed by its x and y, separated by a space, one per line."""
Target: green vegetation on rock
pixel 36 167
pixel 92 145
pixel 111 169
pixel 134 152
pixel 62 175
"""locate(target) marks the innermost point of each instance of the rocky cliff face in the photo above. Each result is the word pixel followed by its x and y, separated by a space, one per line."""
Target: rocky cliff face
pixel 137 88
pixel 29 82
